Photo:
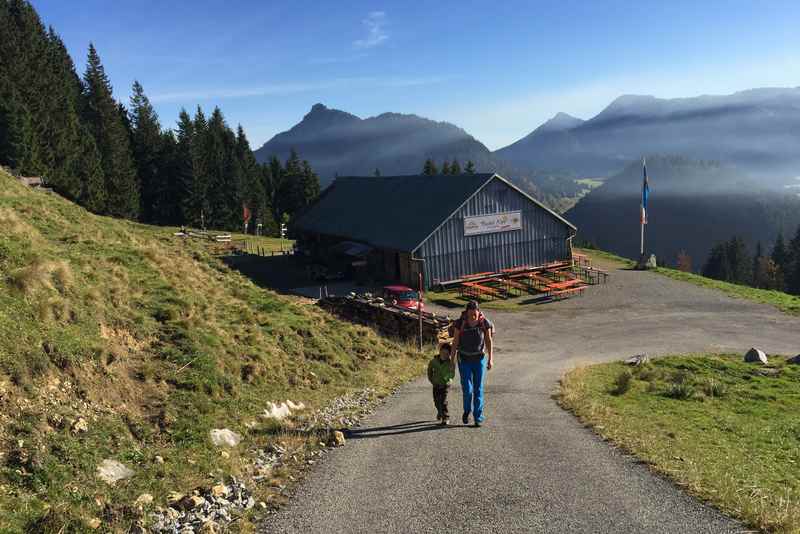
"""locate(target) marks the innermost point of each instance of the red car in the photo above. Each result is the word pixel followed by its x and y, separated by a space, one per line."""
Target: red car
pixel 403 297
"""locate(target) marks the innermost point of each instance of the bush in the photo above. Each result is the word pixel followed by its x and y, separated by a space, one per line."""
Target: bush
pixel 681 391
pixel 623 382
pixel 714 388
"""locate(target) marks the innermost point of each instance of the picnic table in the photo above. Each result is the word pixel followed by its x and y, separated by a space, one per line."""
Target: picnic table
pixel 478 290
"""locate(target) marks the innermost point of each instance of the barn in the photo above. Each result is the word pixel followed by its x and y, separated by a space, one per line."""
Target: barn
pixel 445 226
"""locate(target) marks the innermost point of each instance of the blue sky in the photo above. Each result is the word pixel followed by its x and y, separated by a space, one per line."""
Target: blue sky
pixel 497 69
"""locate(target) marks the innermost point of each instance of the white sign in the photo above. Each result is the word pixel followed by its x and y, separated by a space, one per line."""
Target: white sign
pixel 497 222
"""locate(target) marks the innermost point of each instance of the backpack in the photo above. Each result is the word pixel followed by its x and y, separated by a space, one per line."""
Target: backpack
pixel 451 330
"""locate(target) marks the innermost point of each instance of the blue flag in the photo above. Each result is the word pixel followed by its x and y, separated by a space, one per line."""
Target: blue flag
pixel 645 192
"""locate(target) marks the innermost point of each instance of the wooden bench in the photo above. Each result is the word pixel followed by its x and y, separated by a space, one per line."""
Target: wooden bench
pixel 477 290
pixel 563 293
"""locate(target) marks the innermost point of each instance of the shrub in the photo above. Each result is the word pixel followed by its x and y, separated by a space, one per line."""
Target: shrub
pixel 681 391
pixel 623 382
pixel 714 388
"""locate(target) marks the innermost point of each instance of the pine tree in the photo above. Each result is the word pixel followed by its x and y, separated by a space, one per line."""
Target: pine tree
pixel 197 202
pixel 168 207
pixel 780 256
pixel 276 177
pixel 718 265
pixel 757 261
pixel 184 169
pixel 430 168
pixel 470 168
pixel 445 167
pixel 455 167
pixel 740 261
pixel 793 265
pixel 103 116
pixel 147 146
pixel 377 172
pixel 253 194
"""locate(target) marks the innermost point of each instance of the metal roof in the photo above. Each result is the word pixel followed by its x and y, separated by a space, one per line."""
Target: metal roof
pixel 394 212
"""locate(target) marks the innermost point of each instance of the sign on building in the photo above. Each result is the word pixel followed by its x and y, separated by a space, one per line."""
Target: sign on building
pixel 497 222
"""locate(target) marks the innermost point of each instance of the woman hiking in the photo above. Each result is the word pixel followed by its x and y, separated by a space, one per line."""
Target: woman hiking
pixel 472 343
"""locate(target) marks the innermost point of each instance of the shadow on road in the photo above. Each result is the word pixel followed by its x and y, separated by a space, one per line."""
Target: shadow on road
pixel 394 430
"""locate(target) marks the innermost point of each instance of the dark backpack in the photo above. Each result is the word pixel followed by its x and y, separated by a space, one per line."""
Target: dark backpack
pixel 451 330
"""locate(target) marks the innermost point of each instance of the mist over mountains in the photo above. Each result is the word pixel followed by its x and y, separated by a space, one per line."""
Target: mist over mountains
pixel 755 131
pixel 693 205
pixel 720 164
pixel 339 143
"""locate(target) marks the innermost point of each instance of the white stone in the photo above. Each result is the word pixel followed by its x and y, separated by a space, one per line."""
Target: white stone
pixel 755 355
pixel 144 499
pixel 639 359
pixel 110 471
pixel 276 411
pixel 295 407
pixel 224 437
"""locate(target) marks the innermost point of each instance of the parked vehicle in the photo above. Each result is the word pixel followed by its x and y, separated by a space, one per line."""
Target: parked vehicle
pixel 402 297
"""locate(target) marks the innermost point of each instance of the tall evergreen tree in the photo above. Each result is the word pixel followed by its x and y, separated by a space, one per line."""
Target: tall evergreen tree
pixel 455 167
pixel 718 265
pixel 740 262
pixel 147 144
pixel 197 202
pixel 184 167
pixel 793 265
pixel 470 168
pixel 111 136
pixel 780 256
pixel 430 168
pixel 446 167
pixel 253 194
pixel 757 261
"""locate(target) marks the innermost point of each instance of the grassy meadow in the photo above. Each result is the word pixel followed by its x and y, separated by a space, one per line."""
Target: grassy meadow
pixel 151 341
pixel 725 430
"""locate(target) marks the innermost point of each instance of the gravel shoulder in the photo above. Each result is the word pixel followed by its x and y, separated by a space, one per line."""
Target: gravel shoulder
pixel 533 467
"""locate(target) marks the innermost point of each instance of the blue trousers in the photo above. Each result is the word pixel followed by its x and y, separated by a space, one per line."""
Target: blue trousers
pixel 472 386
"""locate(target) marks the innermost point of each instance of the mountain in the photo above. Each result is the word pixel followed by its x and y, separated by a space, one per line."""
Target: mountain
pixel 755 131
pixel 336 142
pixel 339 143
pixel 693 205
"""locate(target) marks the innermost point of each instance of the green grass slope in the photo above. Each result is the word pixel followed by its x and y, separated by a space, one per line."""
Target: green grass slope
pixel 725 430
pixel 153 341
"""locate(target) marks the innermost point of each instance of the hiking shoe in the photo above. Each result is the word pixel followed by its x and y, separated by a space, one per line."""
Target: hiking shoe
pixel 445 421
pixel 478 424
pixel 465 418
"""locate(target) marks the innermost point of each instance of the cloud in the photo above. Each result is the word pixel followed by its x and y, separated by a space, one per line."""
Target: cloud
pixel 376 34
pixel 289 88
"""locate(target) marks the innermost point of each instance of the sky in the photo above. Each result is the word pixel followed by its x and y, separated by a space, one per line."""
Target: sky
pixel 496 69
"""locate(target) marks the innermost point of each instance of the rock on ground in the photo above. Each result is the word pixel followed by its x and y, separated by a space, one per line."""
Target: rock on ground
pixel 110 471
pixel 224 437
pixel 755 355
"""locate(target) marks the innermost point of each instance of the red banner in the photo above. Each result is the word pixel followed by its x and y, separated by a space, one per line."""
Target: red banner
pixel 245 213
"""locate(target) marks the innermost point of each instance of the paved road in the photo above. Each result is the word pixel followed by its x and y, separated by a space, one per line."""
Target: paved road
pixel 533 467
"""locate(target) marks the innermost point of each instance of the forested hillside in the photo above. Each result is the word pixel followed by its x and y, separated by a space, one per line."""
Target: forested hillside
pixel 117 159
pixel 693 206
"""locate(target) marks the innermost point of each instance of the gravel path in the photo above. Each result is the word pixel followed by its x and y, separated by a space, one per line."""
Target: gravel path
pixel 533 467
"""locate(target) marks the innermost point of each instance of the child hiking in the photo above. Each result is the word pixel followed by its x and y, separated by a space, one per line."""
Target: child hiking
pixel 441 371
pixel 472 344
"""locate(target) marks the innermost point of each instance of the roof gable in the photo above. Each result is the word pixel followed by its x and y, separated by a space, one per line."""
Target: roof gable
pixel 395 212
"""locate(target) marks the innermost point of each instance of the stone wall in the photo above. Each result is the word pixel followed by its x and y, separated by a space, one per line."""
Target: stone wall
pixel 388 320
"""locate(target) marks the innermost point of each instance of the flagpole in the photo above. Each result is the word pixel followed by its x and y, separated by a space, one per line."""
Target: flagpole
pixel 641 246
